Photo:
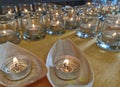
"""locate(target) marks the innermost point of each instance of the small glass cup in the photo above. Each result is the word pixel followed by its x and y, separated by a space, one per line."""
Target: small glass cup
pixel 109 37
pixel 53 23
pixel 40 8
pixel 32 29
pixel 89 27
pixel 16 68
pixel 70 17
pixel 9 29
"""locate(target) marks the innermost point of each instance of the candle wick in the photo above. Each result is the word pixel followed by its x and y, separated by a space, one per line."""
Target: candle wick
pixel 16 67
pixel 65 66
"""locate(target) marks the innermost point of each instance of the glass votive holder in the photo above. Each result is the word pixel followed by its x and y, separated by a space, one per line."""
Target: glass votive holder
pixel 67 67
pixel 109 37
pixel 40 8
pixel 70 17
pixel 9 29
pixel 16 68
pixel 72 22
pixel 53 23
pixel 89 27
pixel 9 9
pixel 32 29
pixel 56 26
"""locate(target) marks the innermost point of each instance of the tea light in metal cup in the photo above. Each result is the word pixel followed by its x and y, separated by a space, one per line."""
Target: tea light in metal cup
pixel 67 68
pixel 16 68
pixel 33 32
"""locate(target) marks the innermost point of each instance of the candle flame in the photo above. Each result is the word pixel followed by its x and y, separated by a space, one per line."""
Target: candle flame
pixel 71 19
pixel 15 62
pixel 89 25
pixel 58 22
pixel 33 25
pixel 88 3
pixel 9 12
pixel 4 32
pixel 39 9
pixel 117 22
pixel 57 14
pixel 26 10
pixel 66 62
pixel 114 34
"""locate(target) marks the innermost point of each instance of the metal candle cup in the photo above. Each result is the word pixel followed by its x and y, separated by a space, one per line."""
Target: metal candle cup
pixel 16 68
pixel 67 68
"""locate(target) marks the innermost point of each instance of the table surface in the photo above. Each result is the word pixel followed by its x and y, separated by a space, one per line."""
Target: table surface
pixel 105 64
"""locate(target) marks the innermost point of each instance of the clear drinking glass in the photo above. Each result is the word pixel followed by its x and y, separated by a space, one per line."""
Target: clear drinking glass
pixel 109 38
pixel 9 29
pixel 88 27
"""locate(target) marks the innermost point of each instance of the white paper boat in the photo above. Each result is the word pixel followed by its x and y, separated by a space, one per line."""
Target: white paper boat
pixel 86 76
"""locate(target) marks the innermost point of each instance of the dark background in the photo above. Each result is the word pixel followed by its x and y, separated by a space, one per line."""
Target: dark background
pixel 62 2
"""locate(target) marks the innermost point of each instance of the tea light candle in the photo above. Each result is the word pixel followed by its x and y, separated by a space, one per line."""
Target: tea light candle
pixel 16 68
pixel 67 68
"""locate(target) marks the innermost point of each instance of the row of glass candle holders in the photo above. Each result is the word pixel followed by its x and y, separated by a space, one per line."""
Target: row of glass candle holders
pixel 54 19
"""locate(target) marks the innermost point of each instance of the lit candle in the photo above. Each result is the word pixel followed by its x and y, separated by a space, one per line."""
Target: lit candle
pixel 33 32
pixel 17 68
pixel 67 68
